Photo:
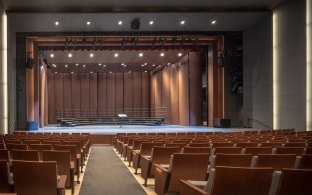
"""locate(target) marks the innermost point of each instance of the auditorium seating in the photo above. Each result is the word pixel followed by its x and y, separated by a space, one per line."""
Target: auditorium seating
pixel 232 180
pixel 276 161
pixel 305 162
pixel 4 176
pixel 37 178
pixel 159 155
pixel 182 166
pixel 27 155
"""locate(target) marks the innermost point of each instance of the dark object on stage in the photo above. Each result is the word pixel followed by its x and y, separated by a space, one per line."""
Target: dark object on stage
pixel 222 122
pixel 135 24
pixel 30 63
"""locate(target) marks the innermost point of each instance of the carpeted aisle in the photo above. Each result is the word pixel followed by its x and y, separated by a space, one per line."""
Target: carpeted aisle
pixel 107 175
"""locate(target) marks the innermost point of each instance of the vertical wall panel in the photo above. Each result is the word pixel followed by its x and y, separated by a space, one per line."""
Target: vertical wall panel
pixel 137 93
pixel 119 93
pixel 102 95
pixel 76 94
pixel 146 91
pixel 85 94
pixel 158 86
pixel 174 96
pixel 67 95
pixel 93 95
pixel 51 98
pixel 128 94
pixel 166 94
pixel 58 94
pixel 196 98
pixel 152 94
pixel 111 92
pixel 183 94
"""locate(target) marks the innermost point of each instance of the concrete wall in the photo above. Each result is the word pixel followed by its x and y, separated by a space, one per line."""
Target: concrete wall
pixel 258 74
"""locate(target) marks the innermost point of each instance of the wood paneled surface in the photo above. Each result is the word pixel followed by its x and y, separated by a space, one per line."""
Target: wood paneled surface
pixel 95 93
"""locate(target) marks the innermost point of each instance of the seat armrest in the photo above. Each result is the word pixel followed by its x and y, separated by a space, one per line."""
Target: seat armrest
pixel 61 182
pixel 162 176
pixel 187 188
pixel 161 168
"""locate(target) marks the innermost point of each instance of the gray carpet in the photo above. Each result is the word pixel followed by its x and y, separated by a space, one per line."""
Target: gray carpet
pixel 106 174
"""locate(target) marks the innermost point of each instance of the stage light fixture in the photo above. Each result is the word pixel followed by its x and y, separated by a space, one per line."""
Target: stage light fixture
pixel 151 22
pixel 120 23
pixel 100 64
pixel 182 22
pixel 72 72
pixel 213 22
pixel 77 64
pixel 162 54
pixel 70 55
pixel 91 55
pixel 51 55
pixel 84 66
pixel 140 54
pixel 179 54
pixel 88 23
pixel 116 55
pixel 104 65
pixel 56 23
pixel 66 66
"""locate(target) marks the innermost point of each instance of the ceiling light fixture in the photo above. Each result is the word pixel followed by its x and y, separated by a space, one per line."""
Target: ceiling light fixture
pixel 213 22
pixel 154 65
pixel 55 72
pixel 56 23
pixel 91 55
pixel 52 55
pixel 91 72
pixel 140 55
pixel 162 54
pixel 151 22
pixel 77 64
pixel 72 72
pixel 66 66
pixel 104 65
pixel 120 23
pixel 84 66
pixel 179 54
pixel 182 22
pixel 100 64
pixel 88 23
pixel 116 55
pixel 70 55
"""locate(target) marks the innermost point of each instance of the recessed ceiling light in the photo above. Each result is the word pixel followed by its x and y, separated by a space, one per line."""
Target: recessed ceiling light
pixel 72 72
pixel 140 54
pixel 182 22
pixel 70 55
pixel 100 64
pixel 52 55
pixel 55 72
pixel 91 55
pixel 54 65
pixel 84 66
pixel 145 71
pixel 119 22
pixel 142 65
pixel 154 65
pixel 66 66
pixel 124 65
pixel 91 72
pixel 104 65
pixel 77 64
pixel 213 22
pixel 129 71
pixel 88 23
pixel 110 72
pixel 179 54
pixel 162 54
pixel 151 22
pixel 56 23
pixel 116 55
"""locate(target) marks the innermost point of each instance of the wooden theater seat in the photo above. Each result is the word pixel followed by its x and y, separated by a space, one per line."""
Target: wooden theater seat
pixel 196 150
pixel 222 144
pixel 233 160
pixel 257 150
pixel 4 176
pixel 145 150
pixel 199 145
pixel 130 148
pixel 291 181
pixel 305 162
pixel 159 155
pixel 231 180
pixel 4 154
pixel 30 155
pixel 40 148
pixel 276 161
pixel 64 165
pixel 295 144
pixel 289 150
pixel 37 178
pixel 182 166
pixel 246 144
pixel 226 150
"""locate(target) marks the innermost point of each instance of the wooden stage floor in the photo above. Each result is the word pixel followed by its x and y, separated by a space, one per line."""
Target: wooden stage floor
pixel 104 134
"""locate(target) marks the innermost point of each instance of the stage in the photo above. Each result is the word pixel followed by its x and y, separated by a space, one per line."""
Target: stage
pixel 104 134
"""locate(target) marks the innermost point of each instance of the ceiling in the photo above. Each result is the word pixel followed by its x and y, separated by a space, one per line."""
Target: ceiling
pixel 136 5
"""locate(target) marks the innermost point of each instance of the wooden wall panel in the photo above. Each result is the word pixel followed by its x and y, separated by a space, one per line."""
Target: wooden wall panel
pixel 101 94
pixel 51 99
pixel 137 93
pixel 67 94
pixel 196 97
pixel 183 94
pixel 58 93
pixel 158 86
pixel 111 92
pixel 128 94
pixel 93 94
pixel 146 91
pixel 165 99
pixel 75 94
pixel 85 93
pixel 119 93
pixel 174 96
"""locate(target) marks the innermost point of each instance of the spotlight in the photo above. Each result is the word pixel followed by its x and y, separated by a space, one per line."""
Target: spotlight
pixel 66 66
pixel 56 23
pixel 120 23
pixel 88 23
pixel 140 54
pixel 91 55
pixel 77 64
pixel 70 55
pixel 182 22
pixel 213 22
pixel 116 55
pixel 52 55
pixel 179 54
pixel 151 22
pixel 84 66
pixel 100 64
pixel 162 54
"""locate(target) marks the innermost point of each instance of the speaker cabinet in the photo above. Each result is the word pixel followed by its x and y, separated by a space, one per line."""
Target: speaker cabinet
pixel 135 24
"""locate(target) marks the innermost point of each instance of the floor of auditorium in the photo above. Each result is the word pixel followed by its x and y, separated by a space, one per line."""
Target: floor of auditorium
pixel 114 129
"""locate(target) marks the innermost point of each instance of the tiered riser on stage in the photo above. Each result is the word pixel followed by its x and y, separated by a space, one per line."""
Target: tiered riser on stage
pixel 150 121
